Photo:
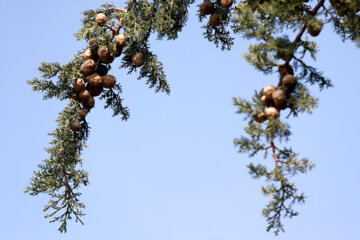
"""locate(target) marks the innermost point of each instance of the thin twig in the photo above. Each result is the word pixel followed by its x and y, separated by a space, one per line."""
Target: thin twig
pixel 312 12
pixel 112 29
pixel 274 152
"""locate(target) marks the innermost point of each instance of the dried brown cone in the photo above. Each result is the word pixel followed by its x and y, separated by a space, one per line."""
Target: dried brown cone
pixel 108 81
pixel 92 41
pixel 88 67
pixel 88 54
pixel 102 70
pixel 279 96
pixel 313 30
pixel 138 59
pixel 82 114
pixel 215 19
pixel 272 113
pixel 103 52
pixel 268 91
pixel 96 91
pixel 117 50
pixel 282 107
pixel 105 55
pixel 94 80
pixel 207 8
pixel 288 81
pixel 100 19
pixel 226 3
pixel 286 68
pixel 84 95
pixel 108 59
pixel 261 117
pixel 79 85
pixel 89 103
pixel 75 126
pixel 120 40
pixel 266 102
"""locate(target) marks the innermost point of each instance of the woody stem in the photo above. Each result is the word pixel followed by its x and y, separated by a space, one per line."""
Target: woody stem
pixel 274 152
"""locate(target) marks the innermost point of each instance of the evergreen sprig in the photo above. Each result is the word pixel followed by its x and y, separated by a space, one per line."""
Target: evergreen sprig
pixel 282 33
pixel 272 24
pixel 59 175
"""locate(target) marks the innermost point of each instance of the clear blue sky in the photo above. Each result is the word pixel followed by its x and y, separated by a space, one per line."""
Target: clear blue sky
pixel 171 172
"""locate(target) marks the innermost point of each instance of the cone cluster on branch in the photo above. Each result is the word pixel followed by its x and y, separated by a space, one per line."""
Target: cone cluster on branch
pixel 95 71
pixel 208 8
pixel 314 27
pixel 258 20
pixel 276 98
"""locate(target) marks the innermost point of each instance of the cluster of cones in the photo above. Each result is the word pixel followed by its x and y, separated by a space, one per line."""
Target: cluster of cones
pixel 342 7
pixel 95 72
pixel 208 8
pixel 276 98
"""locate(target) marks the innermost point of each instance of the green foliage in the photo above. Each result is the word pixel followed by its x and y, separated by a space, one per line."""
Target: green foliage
pixel 282 33
pixel 261 139
pixel 272 24
pixel 59 175
pixel 219 35
pixel 170 17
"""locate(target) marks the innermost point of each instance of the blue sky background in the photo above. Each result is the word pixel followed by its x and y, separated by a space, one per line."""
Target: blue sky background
pixel 171 172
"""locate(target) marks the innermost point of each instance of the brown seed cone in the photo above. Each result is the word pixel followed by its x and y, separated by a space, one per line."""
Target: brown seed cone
pixel 79 85
pixel 261 117
pixel 84 95
pixel 89 103
pixel 82 114
pixel 92 41
pixel 100 19
pixel 108 59
pixel 282 107
pixel 288 80
pixel 280 98
pixel 138 59
pixel 102 70
pixel 268 91
pixel 266 102
pixel 108 81
pixel 120 40
pixel 313 30
pixel 214 19
pixel 286 68
pixel 88 54
pixel 226 3
pixel 117 50
pixel 88 67
pixel 207 8
pixel 94 80
pixel 103 52
pixel 272 112
pixel 75 126
pixel 96 91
